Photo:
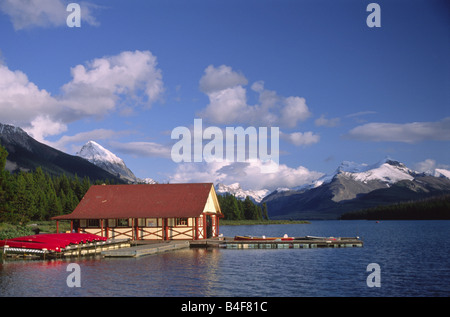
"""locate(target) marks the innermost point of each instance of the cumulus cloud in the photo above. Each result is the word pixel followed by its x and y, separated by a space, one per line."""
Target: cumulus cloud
pixel 228 101
pixel 402 132
pixel 43 126
pixel 220 78
pixel 97 86
pixel 301 138
pixel 101 86
pixel 43 13
pixel 248 174
pixel 22 102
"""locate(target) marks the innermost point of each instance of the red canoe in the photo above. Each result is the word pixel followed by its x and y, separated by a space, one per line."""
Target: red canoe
pixel 52 241
pixel 251 238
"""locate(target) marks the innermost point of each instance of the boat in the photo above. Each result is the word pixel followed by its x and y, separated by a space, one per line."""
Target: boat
pixel 52 241
pixel 33 245
pixel 263 238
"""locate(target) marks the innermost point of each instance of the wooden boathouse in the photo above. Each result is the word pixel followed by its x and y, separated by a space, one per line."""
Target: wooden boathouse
pixel 159 212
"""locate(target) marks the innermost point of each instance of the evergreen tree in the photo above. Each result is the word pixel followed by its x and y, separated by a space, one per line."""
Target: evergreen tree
pixel 265 213
pixel 249 209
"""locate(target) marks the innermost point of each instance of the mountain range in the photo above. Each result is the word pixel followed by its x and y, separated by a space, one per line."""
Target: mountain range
pixel 26 154
pixel 236 190
pixel 351 187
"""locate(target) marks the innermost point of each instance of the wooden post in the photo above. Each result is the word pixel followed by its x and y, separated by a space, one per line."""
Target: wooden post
pixel 57 226
pixel 165 229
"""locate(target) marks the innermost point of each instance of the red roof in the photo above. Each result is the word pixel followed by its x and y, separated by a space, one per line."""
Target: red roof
pixel 143 201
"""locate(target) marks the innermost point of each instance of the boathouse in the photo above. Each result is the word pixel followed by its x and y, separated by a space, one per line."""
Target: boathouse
pixel 148 212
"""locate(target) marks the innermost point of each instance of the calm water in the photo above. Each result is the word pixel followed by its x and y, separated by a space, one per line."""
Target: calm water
pixel 413 257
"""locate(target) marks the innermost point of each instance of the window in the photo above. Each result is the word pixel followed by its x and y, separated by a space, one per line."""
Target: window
pixel 141 222
pixel 152 222
pixel 94 223
pixel 122 222
pixel 111 223
pixel 182 221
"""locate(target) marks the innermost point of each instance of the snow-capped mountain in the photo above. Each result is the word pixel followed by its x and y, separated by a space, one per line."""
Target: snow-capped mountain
pixel 146 180
pixel 388 171
pixel 440 172
pixel 98 155
pixel 236 190
pixel 26 154
pixel 356 186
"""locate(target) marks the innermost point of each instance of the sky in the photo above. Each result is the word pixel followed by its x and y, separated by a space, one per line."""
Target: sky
pixel 336 87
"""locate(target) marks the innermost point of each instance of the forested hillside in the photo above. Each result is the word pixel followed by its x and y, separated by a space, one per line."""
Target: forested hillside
pixel 236 209
pixel 36 195
pixel 431 208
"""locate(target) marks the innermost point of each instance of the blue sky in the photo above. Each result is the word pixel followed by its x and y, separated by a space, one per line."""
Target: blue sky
pixel 135 70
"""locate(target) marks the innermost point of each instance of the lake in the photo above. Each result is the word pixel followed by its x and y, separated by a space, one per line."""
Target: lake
pixel 413 259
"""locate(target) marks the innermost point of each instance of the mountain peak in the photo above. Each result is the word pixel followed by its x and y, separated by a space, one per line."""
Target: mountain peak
pixel 15 135
pixel 92 151
pixel 236 190
pixel 98 155
pixel 387 170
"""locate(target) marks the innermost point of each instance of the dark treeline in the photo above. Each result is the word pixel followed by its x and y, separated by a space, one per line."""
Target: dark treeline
pixel 236 209
pixel 437 208
pixel 36 195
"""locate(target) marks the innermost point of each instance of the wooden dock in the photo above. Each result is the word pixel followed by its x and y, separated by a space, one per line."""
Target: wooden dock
pixel 297 243
pixel 147 249
pixel 127 248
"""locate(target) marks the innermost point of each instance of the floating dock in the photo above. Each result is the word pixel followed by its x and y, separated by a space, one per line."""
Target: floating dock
pixel 307 242
pixel 128 248
pixel 147 249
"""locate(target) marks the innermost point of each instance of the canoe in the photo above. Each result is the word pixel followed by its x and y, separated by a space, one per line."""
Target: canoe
pixel 51 241
pixel 263 238
pixel 30 245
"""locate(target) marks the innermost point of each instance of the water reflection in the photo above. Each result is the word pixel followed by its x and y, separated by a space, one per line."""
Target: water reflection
pixel 192 272
pixel 412 260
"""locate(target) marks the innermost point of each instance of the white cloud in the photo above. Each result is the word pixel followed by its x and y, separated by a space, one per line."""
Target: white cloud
pixel 21 101
pixel 43 126
pixel 220 78
pixel 429 166
pixel 81 138
pixel 248 174
pixel 402 132
pixel 324 122
pixel 43 13
pixel 101 86
pixel 228 101
pixel 299 138
pixel 142 149
pixel 294 109
pixel 98 87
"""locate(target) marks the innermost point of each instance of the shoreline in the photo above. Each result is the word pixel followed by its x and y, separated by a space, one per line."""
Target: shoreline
pixel 261 222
